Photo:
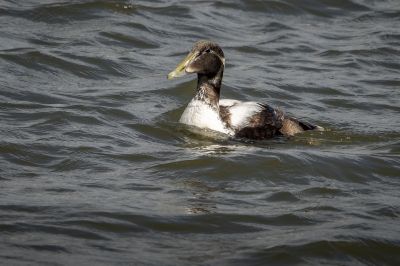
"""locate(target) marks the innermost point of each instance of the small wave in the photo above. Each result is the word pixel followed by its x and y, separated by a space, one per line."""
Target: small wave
pixel 67 12
pixel 126 40
pixel 283 196
pixel 41 61
pixel 356 251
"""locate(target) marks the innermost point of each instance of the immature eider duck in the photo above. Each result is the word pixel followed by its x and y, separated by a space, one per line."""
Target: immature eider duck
pixel 235 118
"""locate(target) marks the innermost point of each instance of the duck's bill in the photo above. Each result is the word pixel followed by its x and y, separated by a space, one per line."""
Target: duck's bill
pixel 180 69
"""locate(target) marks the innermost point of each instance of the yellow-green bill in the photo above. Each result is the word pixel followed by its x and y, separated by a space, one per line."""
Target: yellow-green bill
pixel 180 69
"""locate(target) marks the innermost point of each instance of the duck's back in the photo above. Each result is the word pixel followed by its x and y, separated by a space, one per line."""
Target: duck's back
pixel 251 120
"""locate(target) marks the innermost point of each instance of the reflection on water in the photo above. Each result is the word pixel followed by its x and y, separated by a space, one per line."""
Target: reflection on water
pixel 201 195
pixel 95 168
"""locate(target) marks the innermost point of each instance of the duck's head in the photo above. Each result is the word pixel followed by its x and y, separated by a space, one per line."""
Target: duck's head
pixel 205 58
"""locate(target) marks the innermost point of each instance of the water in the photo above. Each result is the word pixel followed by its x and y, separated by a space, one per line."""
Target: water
pixel 95 169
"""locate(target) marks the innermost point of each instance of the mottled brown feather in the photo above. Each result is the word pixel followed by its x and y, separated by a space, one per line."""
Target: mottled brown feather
pixel 292 126
pixel 225 115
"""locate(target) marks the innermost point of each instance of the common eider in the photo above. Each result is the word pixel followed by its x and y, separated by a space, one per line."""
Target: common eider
pixel 235 118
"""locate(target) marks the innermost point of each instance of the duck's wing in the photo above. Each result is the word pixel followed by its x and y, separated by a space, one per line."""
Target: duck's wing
pixel 251 119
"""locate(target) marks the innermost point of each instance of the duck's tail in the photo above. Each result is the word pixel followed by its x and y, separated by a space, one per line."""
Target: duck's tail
pixel 308 126
pixel 292 126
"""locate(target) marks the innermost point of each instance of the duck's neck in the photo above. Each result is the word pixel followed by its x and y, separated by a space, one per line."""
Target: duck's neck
pixel 208 88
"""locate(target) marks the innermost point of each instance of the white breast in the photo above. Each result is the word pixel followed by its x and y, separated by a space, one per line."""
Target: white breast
pixel 201 115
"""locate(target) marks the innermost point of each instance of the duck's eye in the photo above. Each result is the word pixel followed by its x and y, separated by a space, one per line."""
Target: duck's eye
pixel 207 51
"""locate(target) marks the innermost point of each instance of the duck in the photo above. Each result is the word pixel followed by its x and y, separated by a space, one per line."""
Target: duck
pixel 234 118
